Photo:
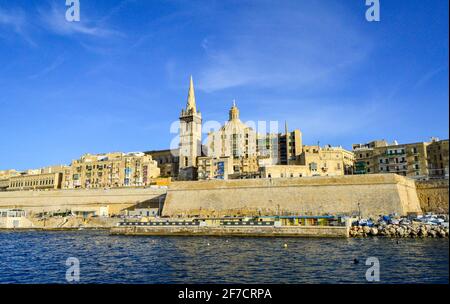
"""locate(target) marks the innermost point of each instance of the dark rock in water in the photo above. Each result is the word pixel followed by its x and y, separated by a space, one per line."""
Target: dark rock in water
pixel 355 261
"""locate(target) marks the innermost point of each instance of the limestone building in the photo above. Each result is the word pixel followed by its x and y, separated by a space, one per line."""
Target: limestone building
pixel 5 175
pixel 111 170
pixel 438 160
pixel 168 162
pixel 190 137
pixel 313 161
pixel 40 181
pixel 279 148
pixel 234 139
pixel 381 157
pixel 230 151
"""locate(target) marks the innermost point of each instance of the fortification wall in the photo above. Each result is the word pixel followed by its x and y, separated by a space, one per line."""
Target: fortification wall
pixel 433 195
pixel 89 200
pixel 376 194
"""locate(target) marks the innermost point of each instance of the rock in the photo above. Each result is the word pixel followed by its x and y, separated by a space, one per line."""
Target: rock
pixel 441 233
pixel 373 231
pixel 403 230
pixel 423 232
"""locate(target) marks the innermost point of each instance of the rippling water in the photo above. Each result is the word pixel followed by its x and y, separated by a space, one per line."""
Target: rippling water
pixel 39 257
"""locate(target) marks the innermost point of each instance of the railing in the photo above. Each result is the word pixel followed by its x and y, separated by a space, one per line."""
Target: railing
pixel 247 223
pixel 133 224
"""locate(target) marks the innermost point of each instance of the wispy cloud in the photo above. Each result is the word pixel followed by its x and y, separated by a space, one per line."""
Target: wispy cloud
pixel 322 117
pixel 115 10
pixel 281 46
pixel 46 70
pixel 16 20
pixel 54 20
pixel 428 76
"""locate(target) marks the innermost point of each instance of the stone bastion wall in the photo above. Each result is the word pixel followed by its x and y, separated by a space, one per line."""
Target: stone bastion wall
pixel 373 195
pixel 433 195
pixel 81 200
pixel 376 194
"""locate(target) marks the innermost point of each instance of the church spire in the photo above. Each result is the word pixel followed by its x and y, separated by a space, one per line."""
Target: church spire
pixel 191 107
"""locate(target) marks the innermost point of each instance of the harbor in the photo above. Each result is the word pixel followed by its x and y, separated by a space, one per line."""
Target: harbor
pixel 117 259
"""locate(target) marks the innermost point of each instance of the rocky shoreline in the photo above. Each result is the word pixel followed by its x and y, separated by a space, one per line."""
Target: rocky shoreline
pixel 414 230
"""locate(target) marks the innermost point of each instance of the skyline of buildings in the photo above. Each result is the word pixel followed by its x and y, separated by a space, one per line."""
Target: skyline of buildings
pixel 97 89
pixel 235 150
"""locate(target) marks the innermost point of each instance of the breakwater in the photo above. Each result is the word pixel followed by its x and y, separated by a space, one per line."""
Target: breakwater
pixel 400 231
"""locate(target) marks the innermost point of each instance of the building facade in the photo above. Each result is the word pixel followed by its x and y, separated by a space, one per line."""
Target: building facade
pixel 41 181
pixel 5 175
pixel 313 161
pixel 230 151
pixel 438 160
pixel 168 162
pixel 111 170
pixel 279 148
pixel 234 139
pixel 381 157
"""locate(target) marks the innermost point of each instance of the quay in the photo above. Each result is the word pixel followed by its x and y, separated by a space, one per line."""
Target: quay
pixel 270 226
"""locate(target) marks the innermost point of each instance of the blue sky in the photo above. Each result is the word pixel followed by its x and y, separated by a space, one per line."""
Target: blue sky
pixel 116 80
